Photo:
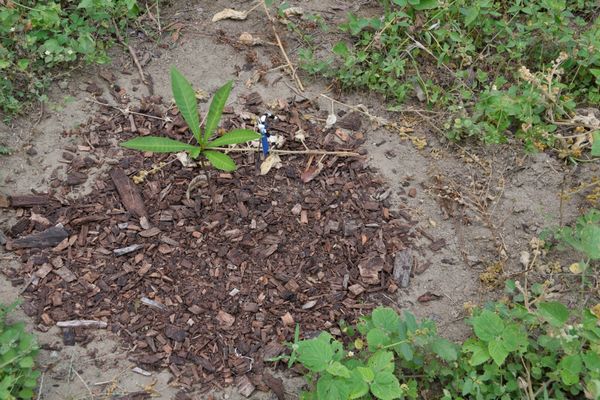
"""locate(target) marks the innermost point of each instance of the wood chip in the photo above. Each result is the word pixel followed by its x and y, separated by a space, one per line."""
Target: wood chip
pixel 129 193
pixel 403 264
pixel 82 323
pixel 47 238
pixel 226 320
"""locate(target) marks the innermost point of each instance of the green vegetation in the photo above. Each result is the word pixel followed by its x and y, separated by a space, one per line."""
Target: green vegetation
pixel 18 349
pixel 527 348
pixel 37 37
pixel 185 98
pixel 501 70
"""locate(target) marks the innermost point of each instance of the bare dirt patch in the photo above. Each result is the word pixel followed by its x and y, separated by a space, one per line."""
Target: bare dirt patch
pixel 479 208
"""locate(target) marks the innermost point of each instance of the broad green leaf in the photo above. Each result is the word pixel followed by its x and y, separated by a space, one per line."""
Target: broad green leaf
pixel 426 5
pixel 341 49
pixel 234 137
pixel 357 385
pixel 216 109
pixel 445 349
pixel 386 319
pixel 487 325
pixel 366 373
pixel 386 386
pixel 337 369
pixel 554 312
pixel 514 337
pixel 377 338
pixel 157 144
pixel 185 98
pixel 315 354
pixel 497 351
pixel 26 362
pixel 381 361
pixel 220 160
pixel 570 368
pixel 405 350
pixel 592 361
pixel 479 350
pixel 332 388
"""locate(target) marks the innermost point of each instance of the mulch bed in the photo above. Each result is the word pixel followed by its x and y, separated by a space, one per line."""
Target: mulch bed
pixel 210 286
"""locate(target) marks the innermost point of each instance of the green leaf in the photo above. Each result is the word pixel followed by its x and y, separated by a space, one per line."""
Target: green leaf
pixel 381 361
pixel 377 338
pixel 554 312
pixel 514 337
pixel 386 319
pixel 234 137
pixel 497 351
pixel 216 109
pixel 487 325
pixel 596 144
pixel 358 387
pixel 332 388
pixel 366 374
pixel 479 350
pixel 220 160
pixel 157 144
pixel 337 369
pixel 445 349
pixel 315 354
pixel 570 368
pixel 26 362
pixel 386 386
pixel 341 49
pixel 426 5
pixel 405 350
pixel 185 98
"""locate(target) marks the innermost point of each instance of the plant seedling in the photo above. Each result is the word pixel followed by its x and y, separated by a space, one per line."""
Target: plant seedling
pixel 185 99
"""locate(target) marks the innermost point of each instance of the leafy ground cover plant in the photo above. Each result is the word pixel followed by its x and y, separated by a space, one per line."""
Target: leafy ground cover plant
pixel 526 348
pixel 38 36
pixel 501 70
pixel 185 98
pixel 18 349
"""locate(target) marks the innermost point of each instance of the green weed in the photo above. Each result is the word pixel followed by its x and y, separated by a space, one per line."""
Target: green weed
pixel 37 37
pixel 185 98
pixel 525 349
pixel 475 59
pixel 18 350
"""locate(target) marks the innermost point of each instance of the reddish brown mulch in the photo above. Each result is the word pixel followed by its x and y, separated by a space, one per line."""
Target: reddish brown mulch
pixel 216 283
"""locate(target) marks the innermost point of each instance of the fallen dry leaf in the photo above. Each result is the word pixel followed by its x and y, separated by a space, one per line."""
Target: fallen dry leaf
pixel 249 40
pixel 229 13
pixel 271 161
pixel 293 11
pixel 311 173
pixel 427 297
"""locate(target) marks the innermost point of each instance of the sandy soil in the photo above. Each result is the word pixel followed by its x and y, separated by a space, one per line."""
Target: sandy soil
pixel 486 204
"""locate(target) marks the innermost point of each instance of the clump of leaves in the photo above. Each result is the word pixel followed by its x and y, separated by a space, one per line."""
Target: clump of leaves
pixel 383 353
pixel 468 57
pixel 185 98
pixel 526 349
pixel 18 349
pixel 39 36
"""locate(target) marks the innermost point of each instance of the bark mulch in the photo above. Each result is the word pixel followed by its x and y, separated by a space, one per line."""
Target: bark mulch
pixel 210 286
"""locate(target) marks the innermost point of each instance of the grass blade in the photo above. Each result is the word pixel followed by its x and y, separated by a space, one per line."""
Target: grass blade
pixel 220 160
pixel 185 98
pixel 216 109
pixel 234 137
pixel 157 144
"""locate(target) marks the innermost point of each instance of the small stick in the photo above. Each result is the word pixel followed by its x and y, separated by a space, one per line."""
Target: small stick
pixel 84 384
pixel 39 394
pixel 287 59
pixel 132 52
pixel 312 152
pixel 126 111
pixel 82 323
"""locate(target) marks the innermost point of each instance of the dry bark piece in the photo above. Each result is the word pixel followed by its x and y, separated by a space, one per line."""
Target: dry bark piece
pixel 244 386
pixel 403 263
pixel 427 297
pixel 29 200
pixel 229 13
pixel 356 289
pixel 287 319
pixel 126 250
pixel 370 268
pixel 226 320
pixel 275 384
pixel 129 193
pixel 47 238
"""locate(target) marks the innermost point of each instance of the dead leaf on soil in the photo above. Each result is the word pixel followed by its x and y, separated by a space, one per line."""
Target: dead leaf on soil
pixel 249 40
pixel 427 297
pixel 271 161
pixel 229 13
pixel 311 173
pixel 331 120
